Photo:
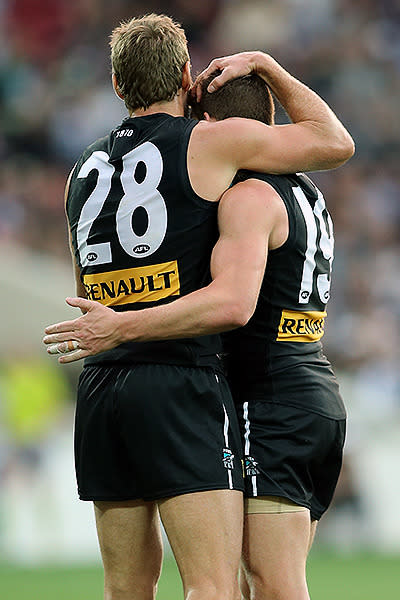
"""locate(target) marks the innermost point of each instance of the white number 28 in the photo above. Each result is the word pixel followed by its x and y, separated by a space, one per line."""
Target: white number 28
pixel 144 194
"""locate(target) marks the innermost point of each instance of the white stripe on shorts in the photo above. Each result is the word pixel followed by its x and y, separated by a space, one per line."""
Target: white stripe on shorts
pixel 247 442
pixel 226 438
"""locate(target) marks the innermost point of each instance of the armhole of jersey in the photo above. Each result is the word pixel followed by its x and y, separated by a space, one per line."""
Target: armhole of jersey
pixel 291 220
pixel 68 183
pixel 289 210
pixel 183 171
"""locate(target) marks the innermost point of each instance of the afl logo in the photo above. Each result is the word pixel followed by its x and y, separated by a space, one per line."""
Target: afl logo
pixel 92 256
pixel 141 249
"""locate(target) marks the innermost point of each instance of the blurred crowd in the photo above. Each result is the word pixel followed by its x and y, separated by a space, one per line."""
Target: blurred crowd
pixel 56 97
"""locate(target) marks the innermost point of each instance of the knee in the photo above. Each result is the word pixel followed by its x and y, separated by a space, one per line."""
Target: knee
pixel 129 589
pixel 281 587
pixel 209 590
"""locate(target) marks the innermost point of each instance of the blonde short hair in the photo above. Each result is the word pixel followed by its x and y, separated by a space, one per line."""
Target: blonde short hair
pixel 147 57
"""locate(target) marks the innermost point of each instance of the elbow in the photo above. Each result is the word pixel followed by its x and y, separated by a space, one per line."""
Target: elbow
pixel 333 149
pixel 238 315
pixel 347 148
pixel 342 150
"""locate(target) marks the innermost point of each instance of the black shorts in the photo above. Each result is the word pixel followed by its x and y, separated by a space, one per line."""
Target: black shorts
pixel 291 451
pixel 151 431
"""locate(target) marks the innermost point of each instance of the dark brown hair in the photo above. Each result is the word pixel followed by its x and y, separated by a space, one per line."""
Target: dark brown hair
pixel 248 97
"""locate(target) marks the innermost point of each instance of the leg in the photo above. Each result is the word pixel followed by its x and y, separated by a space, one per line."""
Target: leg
pixel 275 550
pixel 131 548
pixel 244 586
pixel 313 530
pixel 205 533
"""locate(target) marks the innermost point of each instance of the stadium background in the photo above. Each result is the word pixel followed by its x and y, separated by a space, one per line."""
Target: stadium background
pixel 55 98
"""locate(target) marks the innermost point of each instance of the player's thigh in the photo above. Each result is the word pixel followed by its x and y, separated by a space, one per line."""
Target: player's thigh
pixel 130 541
pixel 313 531
pixel 205 532
pixel 275 549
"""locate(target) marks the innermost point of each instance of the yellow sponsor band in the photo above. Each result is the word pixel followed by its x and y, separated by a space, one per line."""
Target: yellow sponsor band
pixel 141 284
pixel 301 326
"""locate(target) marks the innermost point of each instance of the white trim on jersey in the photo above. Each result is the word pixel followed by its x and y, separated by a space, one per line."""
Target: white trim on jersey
pixel 309 262
pixel 326 246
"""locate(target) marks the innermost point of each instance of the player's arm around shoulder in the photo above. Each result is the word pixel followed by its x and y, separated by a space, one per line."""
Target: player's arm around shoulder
pixel 278 149
pixel 314 140
pixel 221 148
pixel 252 219
pixel 249 216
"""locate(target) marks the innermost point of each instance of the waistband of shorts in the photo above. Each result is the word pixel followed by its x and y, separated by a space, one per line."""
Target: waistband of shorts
pixel 173 354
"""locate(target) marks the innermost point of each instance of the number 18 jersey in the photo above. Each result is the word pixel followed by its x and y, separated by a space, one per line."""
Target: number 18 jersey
pixel 140 234
pixel 288 322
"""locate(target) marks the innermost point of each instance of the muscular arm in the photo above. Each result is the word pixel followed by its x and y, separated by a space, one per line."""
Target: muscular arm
pixel 315 140
pixel 247 216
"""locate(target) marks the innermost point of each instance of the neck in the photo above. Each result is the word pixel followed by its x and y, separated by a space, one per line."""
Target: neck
pixel 175 108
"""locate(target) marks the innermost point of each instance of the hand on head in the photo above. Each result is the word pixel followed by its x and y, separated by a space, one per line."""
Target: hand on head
pixel 230 67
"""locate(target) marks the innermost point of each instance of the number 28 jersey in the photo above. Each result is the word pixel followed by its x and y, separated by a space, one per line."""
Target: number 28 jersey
pixel 288 322
pixel 140 234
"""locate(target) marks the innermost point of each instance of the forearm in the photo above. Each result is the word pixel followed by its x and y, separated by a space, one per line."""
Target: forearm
pixel 301 103
pixel 204 312
pixel 237 268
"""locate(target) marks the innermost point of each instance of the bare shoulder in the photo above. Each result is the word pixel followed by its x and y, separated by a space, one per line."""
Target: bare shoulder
pixel 208 136
pixel 261 192
pixel 265 204
pixel 236 142
pixel 210 160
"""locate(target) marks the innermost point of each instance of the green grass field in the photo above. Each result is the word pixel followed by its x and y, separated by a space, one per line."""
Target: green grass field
pixel 359 577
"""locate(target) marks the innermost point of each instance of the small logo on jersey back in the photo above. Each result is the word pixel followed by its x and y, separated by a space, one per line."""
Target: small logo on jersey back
pixel 141 249
pixel 124 133
pixel 92 256
pixel 251 466
pixel 227 458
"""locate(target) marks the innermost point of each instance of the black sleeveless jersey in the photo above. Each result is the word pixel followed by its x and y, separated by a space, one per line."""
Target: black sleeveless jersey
pixel 140 234
pixel 288 322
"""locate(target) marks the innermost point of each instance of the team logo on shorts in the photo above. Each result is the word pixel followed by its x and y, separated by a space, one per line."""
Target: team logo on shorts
pixel 251 466
pixel 227 458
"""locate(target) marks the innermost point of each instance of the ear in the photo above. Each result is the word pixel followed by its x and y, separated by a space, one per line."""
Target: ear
pixel 116 87
pixel 208 118
pixel 187 81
